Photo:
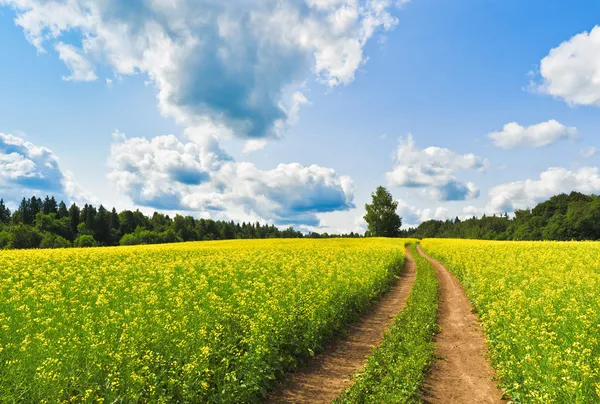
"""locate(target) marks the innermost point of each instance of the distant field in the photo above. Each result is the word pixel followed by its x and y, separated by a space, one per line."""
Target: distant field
pixel 540 306
pixel 188 322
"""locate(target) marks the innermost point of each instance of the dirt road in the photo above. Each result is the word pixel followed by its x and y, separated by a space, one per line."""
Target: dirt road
pixel 461 374
pixel 325 377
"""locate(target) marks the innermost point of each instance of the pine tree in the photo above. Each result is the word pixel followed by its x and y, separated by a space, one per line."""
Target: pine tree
pixel 114 219
pixel 74 213
pixel 62 210
pixel 4 213
pixel 102 226
pixel 35 206
pixel 25 215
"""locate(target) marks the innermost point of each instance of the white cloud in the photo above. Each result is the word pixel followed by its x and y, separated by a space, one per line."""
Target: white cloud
pixel 26 169
pixel 253 145
pixel 523 194
pixel 236 64
pixel 542 134
pixel 413 216
pixel 341 222
pixel 165 173
pixel 588 152
pixel 81 68
pixel 434 168
pixel 571 70
pixel 470 211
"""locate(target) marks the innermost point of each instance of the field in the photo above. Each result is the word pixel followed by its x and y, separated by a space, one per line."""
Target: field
pixel 193 322
pixel 395 371
pixel 540 307
pixel 223 321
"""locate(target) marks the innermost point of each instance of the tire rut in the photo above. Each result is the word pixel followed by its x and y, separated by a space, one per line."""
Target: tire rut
pixel 327 375
pixel 461 372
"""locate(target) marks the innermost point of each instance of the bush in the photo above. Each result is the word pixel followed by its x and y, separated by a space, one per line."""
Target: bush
pixel 5 239
pixel 149 237
pixel 23 236
pixel 130 239
pixel 85 240
pixel 50 240
pixel 169 236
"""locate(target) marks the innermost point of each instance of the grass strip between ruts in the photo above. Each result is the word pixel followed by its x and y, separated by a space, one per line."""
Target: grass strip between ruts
pixel 396 369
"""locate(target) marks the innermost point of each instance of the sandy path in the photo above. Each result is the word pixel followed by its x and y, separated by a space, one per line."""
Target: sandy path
pixel 325 377
pixel 461 374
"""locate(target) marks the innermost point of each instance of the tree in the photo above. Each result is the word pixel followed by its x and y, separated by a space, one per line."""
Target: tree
pixel 49 205
pixel 74 218
pixel 381 217
pixel 102 226
pixel 23 214
pixel 126 222
pixel 50 240
pixel 85 240
pixel 4 213
pixel 24 236
pixel 62 210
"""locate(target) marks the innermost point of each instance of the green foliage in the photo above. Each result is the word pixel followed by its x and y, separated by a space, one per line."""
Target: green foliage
pixel 85 240
pixel 396 369
pixel 110 228
pixel 23 236
pixel 141 236
pixel 50 240
pixel 381 216
pixel 4 213
pixel 563 217
pixel 5 239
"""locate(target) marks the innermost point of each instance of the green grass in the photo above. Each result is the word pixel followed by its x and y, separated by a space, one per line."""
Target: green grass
pixel 396 369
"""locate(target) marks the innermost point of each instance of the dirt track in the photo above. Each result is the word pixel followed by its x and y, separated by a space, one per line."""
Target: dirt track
pixel 461 374
pixel 324 378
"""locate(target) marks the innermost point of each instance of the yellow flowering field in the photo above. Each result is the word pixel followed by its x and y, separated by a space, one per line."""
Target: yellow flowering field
pixel 540 307
pixel 189 322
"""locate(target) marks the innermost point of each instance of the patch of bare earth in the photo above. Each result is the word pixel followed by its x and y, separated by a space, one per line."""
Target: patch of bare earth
pixel 328 374
pixel 461 373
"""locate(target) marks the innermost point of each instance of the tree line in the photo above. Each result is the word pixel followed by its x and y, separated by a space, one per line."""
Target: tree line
pixel 563 217
pixel 46 223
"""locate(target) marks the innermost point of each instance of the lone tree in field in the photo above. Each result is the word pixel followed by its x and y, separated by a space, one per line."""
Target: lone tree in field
pixel 381 217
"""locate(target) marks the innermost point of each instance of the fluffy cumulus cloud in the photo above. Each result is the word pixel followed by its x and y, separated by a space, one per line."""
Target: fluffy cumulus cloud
pixel 523 194
pixel 220 69
pixel 570 71
pixel 413 216
pixel 542 134
pixel 166 173
pixel 434 168
pixel 26 169
pixel 238 64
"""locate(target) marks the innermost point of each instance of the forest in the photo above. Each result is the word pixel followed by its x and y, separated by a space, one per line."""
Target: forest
pixel 563 217
pixel 46 223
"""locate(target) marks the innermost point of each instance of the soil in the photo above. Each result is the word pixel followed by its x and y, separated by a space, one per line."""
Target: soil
pixel 461 373
pixel 327 375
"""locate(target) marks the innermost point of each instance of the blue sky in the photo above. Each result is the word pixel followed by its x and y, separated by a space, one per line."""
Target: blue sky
pixel 151 105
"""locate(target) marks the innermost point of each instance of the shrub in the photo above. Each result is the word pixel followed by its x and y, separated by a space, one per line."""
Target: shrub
pixel 5 239
pixel 23 236
pixel 130 239
pixel 85 240
pixel 50 240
